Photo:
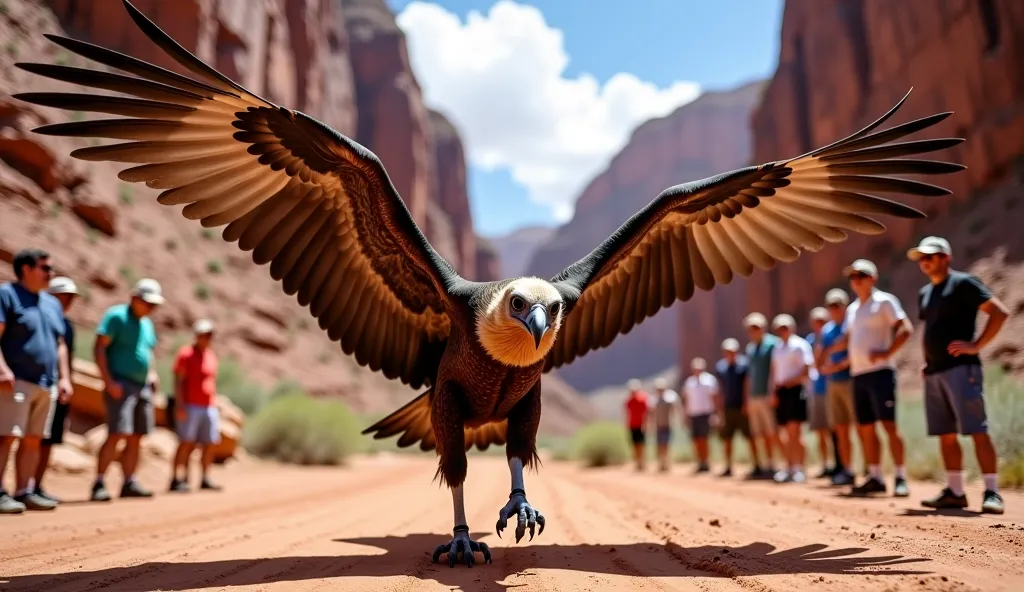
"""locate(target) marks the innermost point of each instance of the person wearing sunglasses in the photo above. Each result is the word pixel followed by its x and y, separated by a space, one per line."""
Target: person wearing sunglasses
pixel 953 381
pixel 34 371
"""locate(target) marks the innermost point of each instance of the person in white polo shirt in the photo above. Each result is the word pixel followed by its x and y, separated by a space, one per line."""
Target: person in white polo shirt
pixel 792 365
pixel 699 392
pixel 877 327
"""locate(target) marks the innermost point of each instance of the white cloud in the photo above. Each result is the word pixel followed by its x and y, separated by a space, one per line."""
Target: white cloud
pixel 500 78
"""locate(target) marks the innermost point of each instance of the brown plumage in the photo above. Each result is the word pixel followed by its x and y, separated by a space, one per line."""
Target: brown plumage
pixel 321 210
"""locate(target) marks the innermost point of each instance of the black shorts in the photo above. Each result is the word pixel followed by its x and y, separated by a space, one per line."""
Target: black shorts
pixel 792 405
pixel 874 396
pixel 637 434
pixel 60 416
pixel 735 421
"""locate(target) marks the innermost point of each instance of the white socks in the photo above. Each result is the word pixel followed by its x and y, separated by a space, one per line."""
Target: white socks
pixel 955 481
pixel 991 481
pixel 875 471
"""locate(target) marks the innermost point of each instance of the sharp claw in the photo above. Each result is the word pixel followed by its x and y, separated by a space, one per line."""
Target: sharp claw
pixel 486 551
pixel 500 526
pixel 438 550
pixel 540 521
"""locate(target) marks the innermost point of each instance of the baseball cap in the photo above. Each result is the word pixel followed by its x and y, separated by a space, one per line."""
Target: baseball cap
pixel 633 384
pixel 755 319
pixel 818 313
pixel 731 344
pixel 784 320
pixel 698 364
pixel 837 296
pixel 148 290
pixel 660 383
pixel 861 266
pixel 202 326
pixel 62 285
pixel 930 245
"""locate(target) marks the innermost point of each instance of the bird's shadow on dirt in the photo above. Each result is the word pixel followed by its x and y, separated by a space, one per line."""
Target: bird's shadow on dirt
pixel 511 568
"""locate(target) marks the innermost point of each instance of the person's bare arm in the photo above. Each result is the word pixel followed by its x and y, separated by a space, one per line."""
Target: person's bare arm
pixel 997 315
pixel 99 354
pixel 64 388
pixel 6 374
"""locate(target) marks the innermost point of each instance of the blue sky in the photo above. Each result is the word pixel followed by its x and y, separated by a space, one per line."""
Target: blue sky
pixel 518 175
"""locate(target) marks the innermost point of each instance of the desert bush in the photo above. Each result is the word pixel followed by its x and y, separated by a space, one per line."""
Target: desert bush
pixel 233 383
pixel 296 428
pixel 601 443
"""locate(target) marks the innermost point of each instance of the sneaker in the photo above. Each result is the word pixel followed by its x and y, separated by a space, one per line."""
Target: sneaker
pixel 824 474
pixel 44 495
pixel 100 493
pixel 31 501
pixel 900 488
pixel 782 477
pixel 946 499
pixel 207 484
pixel 178 485
pixel 871 485
pixel 726 473
pixel 9 505
pixel 702 468
pixel 755 473
pixel 842 478
pixel 992 503
pixel 133 489
pixel 798 477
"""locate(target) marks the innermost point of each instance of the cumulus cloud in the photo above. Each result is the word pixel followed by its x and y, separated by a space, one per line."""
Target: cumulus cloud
pixel 500 78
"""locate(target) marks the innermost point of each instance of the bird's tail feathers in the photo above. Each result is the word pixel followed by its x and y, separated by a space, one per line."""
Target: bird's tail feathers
pixel 412 421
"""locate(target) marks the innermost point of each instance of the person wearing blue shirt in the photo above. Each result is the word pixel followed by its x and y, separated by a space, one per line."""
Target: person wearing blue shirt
pixel 33 373
pixel 817 403
pixel 834 364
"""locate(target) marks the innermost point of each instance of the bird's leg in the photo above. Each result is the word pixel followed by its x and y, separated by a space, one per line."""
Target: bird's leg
pixel 520 448
pixel 461 543
pixel 527 516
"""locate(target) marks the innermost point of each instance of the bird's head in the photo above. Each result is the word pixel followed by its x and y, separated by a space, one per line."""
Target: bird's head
pixel 518 325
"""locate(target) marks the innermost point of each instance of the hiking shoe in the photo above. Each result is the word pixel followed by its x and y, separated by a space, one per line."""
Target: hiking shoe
pixel 841 478
pixel 44 495
pixel 825 473
pixel 9 505
pixel 133 489
pixel 946 499
pixel 900 488
pixel 178 485
pixel 32 501
pixel 782 477
pixel 702 468
pixel 726 473
pixel 871 485
pixel 992 503
pixel 798 477
pixel 99 493
pixel 207 484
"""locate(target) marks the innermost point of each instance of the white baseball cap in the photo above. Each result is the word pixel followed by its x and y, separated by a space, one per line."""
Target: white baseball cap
pixel 755 319
pixel 660 383
pixel 149 291
pixel 698 364
pixel 731 345
pixel 837 296
pixel 930 245
pixel 819 313
pixel 62 285
pixel 784 320
pixel 633 384
pixel 202 326
pixel 861 266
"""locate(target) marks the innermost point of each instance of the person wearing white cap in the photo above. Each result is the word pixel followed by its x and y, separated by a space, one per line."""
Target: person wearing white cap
pixel 731 372
pixel 636 419
pixel 876 328
pixel 834 364
pixel 666 401
pixel 759 407
pixel 699 393
pixel 64 290
pixel 792 365
pixel 817 404
pixel 125 339
pixel 953 379
pixel 197 418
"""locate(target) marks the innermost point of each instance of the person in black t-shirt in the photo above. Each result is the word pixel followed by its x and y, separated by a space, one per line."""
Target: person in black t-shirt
pixel 954 400
pixel 731 403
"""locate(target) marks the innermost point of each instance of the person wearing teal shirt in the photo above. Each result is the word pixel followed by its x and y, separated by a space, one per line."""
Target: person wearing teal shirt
pixel 760 412
pixel 124 346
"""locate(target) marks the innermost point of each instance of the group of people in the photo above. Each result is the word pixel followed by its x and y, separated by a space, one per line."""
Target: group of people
pixel 841 376
pixel 36 355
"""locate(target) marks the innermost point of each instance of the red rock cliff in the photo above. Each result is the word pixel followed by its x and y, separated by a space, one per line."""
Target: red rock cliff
pixel 845 62
pixel 708 136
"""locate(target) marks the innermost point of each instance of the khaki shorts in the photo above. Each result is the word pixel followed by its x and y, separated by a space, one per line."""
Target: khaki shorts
pixel 840 403
pixel 29 411
pixel 761 416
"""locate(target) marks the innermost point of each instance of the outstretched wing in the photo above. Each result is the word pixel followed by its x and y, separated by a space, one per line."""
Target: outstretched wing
pixel 316 205
pixel 700 234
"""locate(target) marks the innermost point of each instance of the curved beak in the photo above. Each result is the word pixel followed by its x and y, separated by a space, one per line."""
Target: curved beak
pixel 537 323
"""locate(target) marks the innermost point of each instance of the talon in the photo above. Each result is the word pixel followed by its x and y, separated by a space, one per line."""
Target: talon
pixel 440 549
pixel 540 521
pixel 486 551
pixel 465 545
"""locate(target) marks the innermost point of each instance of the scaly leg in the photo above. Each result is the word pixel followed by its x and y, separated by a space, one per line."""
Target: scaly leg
pixel 528 516
pixel 461 543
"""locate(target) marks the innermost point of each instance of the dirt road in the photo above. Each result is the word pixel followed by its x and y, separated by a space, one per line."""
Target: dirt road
pixel 373 526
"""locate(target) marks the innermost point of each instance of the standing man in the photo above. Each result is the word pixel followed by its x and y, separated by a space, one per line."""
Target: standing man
pixel 65 291
pixel 877 327
pixel 834 364
pixel 953 381
pixel 666 401
pixel 636 420
pixel 731 372
pixel 699 393
pixel 195 389
pixel 792 364
pixel 33 373
pixel 124 346
pixel 759 408
pixel 817 404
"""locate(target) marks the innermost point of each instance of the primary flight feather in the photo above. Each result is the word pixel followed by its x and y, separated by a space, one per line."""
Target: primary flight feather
pixel 321 210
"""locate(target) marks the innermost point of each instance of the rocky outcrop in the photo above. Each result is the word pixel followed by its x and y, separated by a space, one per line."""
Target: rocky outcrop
pixel 845 62
pixel 516 249
pixel 705 137
pixel 488 261
pixel 452 192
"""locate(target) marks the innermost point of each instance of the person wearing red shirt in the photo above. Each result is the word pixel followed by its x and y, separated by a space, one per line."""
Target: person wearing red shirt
pixel 197 419
pixel 636 414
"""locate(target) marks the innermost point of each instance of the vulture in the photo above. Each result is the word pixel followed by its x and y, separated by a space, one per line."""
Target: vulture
pixel 322 211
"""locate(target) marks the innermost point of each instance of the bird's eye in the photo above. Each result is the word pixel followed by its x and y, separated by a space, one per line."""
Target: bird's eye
pixel 517 303
pixel 554 308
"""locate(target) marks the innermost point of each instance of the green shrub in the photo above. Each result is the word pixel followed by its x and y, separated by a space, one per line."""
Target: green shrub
pixel 600 444
pixel 233 383
pixel 296 428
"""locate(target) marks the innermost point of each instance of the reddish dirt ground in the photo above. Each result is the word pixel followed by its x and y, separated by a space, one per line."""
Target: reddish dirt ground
pixel 372 527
